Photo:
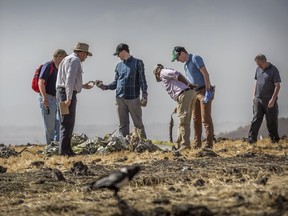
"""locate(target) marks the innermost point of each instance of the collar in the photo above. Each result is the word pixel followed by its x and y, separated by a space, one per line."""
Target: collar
pixel 189 58
pixel 129 59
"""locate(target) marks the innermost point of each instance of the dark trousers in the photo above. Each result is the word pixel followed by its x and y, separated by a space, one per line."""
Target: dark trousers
pixel 260 108
pixel 67 123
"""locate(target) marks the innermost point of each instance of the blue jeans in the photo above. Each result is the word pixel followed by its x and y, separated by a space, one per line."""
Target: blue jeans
pixel 51 120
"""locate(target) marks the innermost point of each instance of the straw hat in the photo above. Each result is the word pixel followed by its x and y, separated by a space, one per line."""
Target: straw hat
pixel 82 47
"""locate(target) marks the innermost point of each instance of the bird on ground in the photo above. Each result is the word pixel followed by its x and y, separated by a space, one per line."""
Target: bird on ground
pixel 115 180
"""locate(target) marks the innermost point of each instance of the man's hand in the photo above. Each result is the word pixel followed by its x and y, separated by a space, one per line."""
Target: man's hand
pixel 271 103
pixel 67 102
pixel 144 99
pixel 143 102
pixel 45 102
pixel 100 85
pixel 87 85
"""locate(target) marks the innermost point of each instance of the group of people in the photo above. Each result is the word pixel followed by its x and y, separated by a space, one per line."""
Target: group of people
pixel 193 93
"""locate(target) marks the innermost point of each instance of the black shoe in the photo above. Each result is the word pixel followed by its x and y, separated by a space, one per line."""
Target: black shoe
pixel 69 154
pixel 274 140
pixel 251 140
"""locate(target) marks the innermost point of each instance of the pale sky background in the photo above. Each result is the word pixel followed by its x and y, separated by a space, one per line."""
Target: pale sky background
pixel 228 34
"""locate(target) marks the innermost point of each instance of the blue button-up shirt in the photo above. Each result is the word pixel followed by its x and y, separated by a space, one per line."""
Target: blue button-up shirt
pixel 129 78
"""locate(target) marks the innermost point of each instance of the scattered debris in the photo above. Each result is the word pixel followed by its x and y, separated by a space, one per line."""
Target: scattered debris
pixel 262 180
pixel 199 183
pixel 3 169
pixel 161 201
pixel 57 175
pixel 6 152
pixel 190 210
pixel 206 153
pixel 82 145
pixel 37 164
pixel 79 168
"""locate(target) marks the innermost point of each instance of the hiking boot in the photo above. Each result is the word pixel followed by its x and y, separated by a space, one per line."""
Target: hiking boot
pixel 207 147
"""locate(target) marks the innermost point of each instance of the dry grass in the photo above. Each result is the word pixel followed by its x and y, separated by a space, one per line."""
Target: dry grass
pixel 229 187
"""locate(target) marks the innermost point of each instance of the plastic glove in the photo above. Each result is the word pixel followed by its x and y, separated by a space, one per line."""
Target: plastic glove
pixel 209 95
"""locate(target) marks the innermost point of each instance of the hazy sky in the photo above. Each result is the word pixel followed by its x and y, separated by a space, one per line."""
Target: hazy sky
pixel 228 34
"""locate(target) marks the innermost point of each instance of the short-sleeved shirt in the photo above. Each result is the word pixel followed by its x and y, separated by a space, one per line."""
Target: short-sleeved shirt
pixel 265 81
pixel 173 86
pixel 192 70
pixel 50 80
pixel 129 79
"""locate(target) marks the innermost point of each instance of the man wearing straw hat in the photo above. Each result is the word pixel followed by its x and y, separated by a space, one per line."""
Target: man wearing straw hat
pixel 68 84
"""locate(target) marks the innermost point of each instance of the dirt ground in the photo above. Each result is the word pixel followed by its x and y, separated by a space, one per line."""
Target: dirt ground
pixel 239 179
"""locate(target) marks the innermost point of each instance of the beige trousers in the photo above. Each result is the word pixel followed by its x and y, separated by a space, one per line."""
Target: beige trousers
pixel 185 105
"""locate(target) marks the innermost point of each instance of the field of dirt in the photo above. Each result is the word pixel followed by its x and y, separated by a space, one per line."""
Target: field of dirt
pixel 235 179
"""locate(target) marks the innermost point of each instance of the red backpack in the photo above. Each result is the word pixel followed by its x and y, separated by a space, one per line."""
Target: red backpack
pixel 35 79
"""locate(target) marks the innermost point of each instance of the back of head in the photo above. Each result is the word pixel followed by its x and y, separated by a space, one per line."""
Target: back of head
pixel 59 53
pixel 260 57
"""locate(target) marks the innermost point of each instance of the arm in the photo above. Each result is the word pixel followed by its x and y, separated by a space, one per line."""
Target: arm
pixel 274 96
pixel 205 73
pixel 41 84
pixel 113 85
pixel 71 79
pixel 254 93
pixel 142 79
pixel 182 79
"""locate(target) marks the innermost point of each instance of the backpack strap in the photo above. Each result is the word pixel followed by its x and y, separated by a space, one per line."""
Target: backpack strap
pixel 51 67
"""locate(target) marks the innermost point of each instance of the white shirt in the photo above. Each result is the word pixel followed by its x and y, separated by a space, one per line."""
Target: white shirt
pixel 173 86
pixel 70 75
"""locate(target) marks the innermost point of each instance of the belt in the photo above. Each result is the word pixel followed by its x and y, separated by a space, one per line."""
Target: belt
pixel 184 91
pixel 63 89
pixel 60 88
pixel 200 88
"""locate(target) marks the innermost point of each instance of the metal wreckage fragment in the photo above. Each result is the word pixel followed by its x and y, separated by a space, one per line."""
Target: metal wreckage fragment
pixel 82 145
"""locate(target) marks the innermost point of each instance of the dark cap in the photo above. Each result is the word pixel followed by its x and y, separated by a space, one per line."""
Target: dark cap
pixel 120 48
pixel 176 52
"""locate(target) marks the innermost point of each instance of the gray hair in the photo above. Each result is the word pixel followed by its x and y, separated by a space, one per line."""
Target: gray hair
pixel 260 57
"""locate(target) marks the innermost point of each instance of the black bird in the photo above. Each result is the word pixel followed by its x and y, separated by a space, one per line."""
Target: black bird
pixel 115 180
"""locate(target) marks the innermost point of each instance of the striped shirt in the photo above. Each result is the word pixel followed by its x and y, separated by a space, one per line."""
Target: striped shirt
pixel 129 78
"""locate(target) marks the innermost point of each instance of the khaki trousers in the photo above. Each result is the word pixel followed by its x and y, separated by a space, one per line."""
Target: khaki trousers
pixel 202 114
pixel 124 108
pixel 185 105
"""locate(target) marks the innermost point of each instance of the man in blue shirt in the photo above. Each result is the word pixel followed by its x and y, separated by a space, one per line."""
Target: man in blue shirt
pixel 198 75
pixel 48 103
pixel 266 91
pixel 129 79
